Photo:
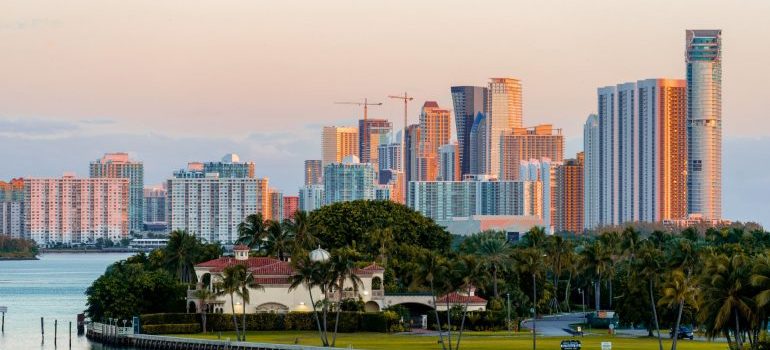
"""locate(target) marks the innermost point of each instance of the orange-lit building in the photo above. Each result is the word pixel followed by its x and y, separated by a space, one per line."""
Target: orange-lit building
pixel 435 129
pixel 523 144
pixel 338 142
pixel 290 206
pixel 568 216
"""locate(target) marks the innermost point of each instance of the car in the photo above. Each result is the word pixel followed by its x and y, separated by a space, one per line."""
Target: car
pixel 683 333
pixel 571 344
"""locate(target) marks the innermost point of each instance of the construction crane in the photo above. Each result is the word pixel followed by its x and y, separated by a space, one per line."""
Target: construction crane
pixel 366 105
pixel 406 98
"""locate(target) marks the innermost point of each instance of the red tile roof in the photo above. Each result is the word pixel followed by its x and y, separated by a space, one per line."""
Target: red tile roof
pixel 270 270
pixel 241 247
pixel 455 298
pixel 368 270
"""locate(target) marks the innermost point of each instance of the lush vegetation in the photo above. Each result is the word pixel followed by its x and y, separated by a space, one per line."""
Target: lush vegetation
pixel 474 340
pixel 16 248
pixel 149 283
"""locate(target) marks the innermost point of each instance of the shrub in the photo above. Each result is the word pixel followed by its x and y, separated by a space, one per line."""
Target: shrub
pixel 183 328
pixel 300 321
pixel 169 318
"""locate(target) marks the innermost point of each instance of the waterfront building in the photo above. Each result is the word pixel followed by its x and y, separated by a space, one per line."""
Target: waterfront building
pixel 230 166
pixel 370 131
pixel 445 200
pixel 311 197
pixel 348 181
pixel 504 112
pixel 468 102
pixel 449 163
pixel 12 208
pixel 568 194
pixel 628 153
pixel 338 142
pixel 609 190
pixel 212 207
pixel 591 172
pixel 523 144
pixel 155 208
pixel 662 149
pixel 71 210
pixel 118 165
pixel 313 172
pixel 290 206
pixel 435 131
pixel 704 123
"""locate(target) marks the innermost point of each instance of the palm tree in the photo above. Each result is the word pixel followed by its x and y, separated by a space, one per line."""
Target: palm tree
pixel 252 230
pixel 180 256
pixel 245 282
pixel 678 290
pixel 343 268
pixel 299 226
pixel 535 237
pixel 596 261
pixel 431 269
pixel 558 250
pixel 230 285
pixel 309 274
pixel 383 237
pixel 530 261
pixel 647 266
pixel 205 295
pixel 496 254
pixel 469 274
pixel 278 241
pixel 726 295
pixel 629 242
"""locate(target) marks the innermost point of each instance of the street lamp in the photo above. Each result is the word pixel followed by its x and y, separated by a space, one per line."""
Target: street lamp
pixel 508 307
pixel 534 312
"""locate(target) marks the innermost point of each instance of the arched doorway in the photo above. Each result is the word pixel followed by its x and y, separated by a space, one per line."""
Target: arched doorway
pixel 273 308
pixel 371 306
pixel 192 307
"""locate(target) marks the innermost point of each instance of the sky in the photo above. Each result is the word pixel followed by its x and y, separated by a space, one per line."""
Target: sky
pixel 177 81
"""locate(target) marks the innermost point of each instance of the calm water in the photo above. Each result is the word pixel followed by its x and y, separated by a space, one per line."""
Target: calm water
pixel 52 287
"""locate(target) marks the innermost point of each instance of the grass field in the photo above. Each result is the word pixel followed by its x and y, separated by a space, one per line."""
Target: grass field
pixel 471 340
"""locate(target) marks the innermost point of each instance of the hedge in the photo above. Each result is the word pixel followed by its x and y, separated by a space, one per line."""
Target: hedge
pixel 474 320
pixel 183 328
pixel 297 321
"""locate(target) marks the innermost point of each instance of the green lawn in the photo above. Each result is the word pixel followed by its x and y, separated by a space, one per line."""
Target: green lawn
pixel 471 340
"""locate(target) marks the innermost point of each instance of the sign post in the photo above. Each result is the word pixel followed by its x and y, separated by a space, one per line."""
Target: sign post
pixel 606 345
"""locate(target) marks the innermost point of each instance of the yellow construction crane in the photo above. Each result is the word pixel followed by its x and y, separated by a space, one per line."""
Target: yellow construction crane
pixel 366 105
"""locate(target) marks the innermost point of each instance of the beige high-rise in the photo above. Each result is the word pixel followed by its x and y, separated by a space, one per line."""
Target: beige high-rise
pixel 338 142
pixel 435 127
pixel 504 113
pixel 523 144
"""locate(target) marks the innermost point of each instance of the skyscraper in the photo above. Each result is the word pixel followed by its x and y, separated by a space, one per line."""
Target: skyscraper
pixel 591 172
pixel 662 149
pixel 704 123
pixel 12 208
pixel 369 133
pixel 523 144
pixel 313 172
pixel 154 207
pixel 230 166
pixel 290 206
pixel 542 170
pixel 608 156
pixel 628 153
pixel 568 213
pixel 311 197
pixel 435 131
pixel 276 205
pixel 468 101
pixel 449 163
pixel 477 144
pixel 338 142
pixel 504 108
pixel 118 165
pixel 388 156
pixel 411 146
pixel 348 180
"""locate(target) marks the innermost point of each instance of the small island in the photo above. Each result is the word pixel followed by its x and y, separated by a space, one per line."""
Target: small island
pixel 17 248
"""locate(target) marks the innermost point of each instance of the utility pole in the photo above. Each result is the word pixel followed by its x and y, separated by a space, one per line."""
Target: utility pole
pixel 406 98
pixel 534 312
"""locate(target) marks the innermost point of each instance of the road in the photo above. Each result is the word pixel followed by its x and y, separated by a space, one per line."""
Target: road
pixel 555 325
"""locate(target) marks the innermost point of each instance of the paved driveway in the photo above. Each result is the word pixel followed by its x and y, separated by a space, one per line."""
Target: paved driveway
pixel 555 325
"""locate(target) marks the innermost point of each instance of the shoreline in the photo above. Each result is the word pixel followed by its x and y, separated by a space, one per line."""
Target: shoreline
pixel 18 258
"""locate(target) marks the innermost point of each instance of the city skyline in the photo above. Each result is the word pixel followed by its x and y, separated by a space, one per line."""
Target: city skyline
pixel 264 142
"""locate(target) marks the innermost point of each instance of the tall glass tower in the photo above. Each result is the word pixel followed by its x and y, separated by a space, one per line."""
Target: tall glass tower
pixel 704 123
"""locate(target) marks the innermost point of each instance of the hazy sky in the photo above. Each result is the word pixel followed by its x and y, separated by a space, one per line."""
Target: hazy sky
pixel 197 79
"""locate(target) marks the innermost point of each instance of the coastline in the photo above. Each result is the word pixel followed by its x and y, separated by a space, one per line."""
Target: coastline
pixel 18 258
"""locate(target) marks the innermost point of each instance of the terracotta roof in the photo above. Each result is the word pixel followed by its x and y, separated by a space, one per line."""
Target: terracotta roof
pixel 275 269
pixel 266 281
pixel 220 263
pixel 455 298
pixel 270 270
pixel 368 270
pixel 241 247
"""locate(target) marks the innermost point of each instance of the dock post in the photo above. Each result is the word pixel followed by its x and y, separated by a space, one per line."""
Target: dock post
pixel 55 330
pixel 3 324
pixel 70 334
pixel 42 332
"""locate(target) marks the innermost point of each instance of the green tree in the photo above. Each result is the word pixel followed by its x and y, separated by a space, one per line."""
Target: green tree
pixel 468 273
pixel 304 238
pixel 496 255
pixel 245 283
pixel 678 290
pixel 231 285
pixel 278 241
pixel 432 270
pixel 252 231
pixel 206 296
pixel 726 297
pixel 311 275
pixel 343 266
pixel 183 251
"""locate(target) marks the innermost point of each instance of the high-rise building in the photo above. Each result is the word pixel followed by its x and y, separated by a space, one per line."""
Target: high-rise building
pixel 118 165
pixel 388 157
pixel 311 197
pixel 591 172
pixel 435 131
pixel 348 181
pixel 276 205
pixel 568 194
pixel 411 146
pixel 704 123
pixel 12 208
pixel 468 102
pixel 608 157
pixel 446 200
pixel 449 163
pixel 478 145
pixel 230 166
pixel 313 172
pixel 662 149
pixel 370 131
pixel 290 206
pixel 338 142
pixel 628 153
pixel 542 170
pixel 75 210
pixel 154 208
pixel 212 207
pixel 504 112
pixel 523 144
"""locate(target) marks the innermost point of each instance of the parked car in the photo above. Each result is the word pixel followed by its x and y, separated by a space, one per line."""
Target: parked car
pixel 571 344
pixel 683 333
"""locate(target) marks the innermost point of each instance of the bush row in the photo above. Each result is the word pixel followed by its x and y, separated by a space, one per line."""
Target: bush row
pixel 181 328
pixel 297 321
pixel 474 320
